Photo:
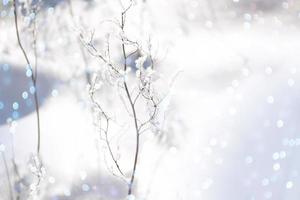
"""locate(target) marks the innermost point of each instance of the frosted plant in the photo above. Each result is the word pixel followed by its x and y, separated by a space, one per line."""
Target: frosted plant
pixel 38 170
pixel 30 10
pixel 138 91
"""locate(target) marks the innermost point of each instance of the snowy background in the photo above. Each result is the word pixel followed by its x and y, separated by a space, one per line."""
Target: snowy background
pixel 232 117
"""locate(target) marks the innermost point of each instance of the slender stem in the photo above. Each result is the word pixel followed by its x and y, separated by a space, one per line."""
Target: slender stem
pixel 18 36
pixel 35 83
pixel 38 120
pixel 11 197
pixel 132 105
pixel 111 152
pixel 33 76
pixel 137 139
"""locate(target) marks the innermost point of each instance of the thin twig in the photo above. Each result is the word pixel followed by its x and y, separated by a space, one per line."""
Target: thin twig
pixel 33 75
pixel 106 129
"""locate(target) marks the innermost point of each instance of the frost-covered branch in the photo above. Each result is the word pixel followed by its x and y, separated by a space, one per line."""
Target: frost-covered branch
pixel 133 94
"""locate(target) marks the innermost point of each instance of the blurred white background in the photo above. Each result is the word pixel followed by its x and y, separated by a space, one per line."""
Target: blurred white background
pixel 232 117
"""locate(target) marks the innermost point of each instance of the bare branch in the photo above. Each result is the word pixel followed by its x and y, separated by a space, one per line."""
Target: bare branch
pixel 33 74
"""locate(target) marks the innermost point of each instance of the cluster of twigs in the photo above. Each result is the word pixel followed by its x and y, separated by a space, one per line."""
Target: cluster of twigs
pixel 143 91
